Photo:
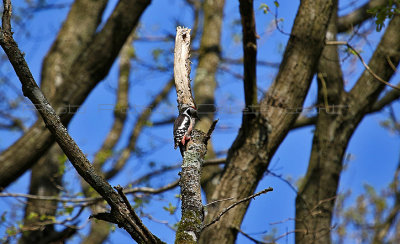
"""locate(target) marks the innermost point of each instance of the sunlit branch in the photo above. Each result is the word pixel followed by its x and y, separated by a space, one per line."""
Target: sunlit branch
pixel 251 238
pixel 234 205
pixel 363 62
pixel 91 200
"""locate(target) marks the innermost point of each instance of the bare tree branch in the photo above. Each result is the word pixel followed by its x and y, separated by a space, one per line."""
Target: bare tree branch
pixel 249 52
pixel 182 67
pixel 189 227
pixel 363 62
pixel 90 200
pixel 91 66
pixel 328 150
pixel 147 234
pixel 251 152
pixel 251 238
pixel 192 209
pixel 120 212
pixel 387 99
pixel 235 204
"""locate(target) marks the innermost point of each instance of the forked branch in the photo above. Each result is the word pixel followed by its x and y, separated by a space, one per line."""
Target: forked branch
pixel 363 62
pixel 193 157
pixel 120 211
pixel 235 204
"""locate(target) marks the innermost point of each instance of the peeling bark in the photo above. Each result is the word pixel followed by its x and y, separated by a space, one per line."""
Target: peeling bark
pixel 182 67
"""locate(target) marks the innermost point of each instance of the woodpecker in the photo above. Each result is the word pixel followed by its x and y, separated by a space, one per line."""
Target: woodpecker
pixel 183 125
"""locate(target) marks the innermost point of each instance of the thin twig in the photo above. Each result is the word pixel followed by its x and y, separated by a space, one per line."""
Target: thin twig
pixel 150 190
pixel 141 227
pixel 235 204
pixel 51 198
pixel 58 130
pixel 146 190
pixel 217 201
pixel 282 221
pixel 320 202
pixel 210 131
pixel 283 179
pixel 156 172
pixel 362 61
pixel 251 238
pixel 290 232
pixel 391 64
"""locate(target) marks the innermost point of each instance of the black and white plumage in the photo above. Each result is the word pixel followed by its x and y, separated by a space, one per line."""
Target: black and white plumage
pixel 183 125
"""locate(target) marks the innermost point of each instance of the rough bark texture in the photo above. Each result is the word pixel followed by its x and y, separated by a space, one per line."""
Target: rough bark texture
pixel 77 31
pixel 121 211
pixel 249 155
pixel 205 82
pixel 192 208
pixel 315 200
pixel 75 35
pixel 90 67
pixel 330 84
pixel 194 153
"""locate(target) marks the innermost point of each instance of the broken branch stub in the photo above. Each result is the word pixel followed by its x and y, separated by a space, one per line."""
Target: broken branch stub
pixel 182 67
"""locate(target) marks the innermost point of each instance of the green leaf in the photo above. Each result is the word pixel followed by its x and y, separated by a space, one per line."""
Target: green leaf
pixel 276 4
pixel 171 208
pixel 264 7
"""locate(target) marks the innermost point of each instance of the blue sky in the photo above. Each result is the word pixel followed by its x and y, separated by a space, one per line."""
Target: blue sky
pixel 375 150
